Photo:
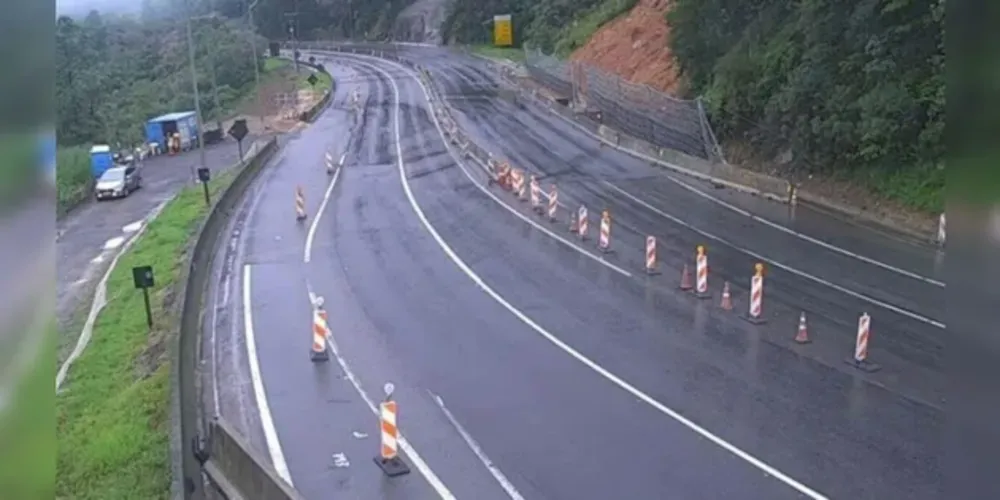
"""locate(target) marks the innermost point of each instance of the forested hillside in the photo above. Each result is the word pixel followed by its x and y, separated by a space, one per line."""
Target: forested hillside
pixel 854 87
pixel 113 73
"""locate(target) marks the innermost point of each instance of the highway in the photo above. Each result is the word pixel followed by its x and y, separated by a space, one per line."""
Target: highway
pixel 528 365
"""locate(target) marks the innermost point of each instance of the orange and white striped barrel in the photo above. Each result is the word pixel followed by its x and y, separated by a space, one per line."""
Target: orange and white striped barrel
pixel 300 203
pixel 583 222
pixel 536 192
pixel 329 162
pixel 757 291
pixel 861 346
pixel 605 236
pixel 553 202
pixel 319 332
pixel 519 183
pixel 701 271
pixel 650 254
pixel 390 433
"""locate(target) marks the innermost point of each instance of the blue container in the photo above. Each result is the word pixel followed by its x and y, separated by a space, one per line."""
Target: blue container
pixel 100 159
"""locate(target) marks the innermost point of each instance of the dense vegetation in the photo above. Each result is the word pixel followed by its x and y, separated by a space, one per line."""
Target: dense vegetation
pixel 319 19
pixel 556 26
pixel 114 73
pixel 853 87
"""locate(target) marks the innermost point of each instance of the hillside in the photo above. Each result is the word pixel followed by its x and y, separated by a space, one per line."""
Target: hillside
pixel 635 46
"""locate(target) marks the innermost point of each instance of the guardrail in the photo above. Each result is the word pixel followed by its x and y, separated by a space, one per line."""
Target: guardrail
pixel 211 449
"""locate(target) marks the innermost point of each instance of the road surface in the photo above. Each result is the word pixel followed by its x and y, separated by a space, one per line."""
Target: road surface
pixel 577 375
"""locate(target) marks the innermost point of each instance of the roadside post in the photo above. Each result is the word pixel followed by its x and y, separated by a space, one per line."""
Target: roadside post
pixel 388 458
pixel 239 131
pixel 204 176
pixel 142 276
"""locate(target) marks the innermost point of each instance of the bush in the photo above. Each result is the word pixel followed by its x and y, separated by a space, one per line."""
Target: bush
pixel 73 177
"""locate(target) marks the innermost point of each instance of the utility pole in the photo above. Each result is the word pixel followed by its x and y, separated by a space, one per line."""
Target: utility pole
pixel 293 31
pixel 197 99
pixel 212 62
pixel 256 59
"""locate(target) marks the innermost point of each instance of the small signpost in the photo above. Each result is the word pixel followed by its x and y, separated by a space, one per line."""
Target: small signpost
pixel 204 176
pixel 142 276
pixel 312 79
pixel 239 131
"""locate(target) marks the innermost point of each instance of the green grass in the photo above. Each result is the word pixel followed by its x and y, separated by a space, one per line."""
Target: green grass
pixel 918 188
pixel 273 64
pixel 73 177
pixel 113 417
pixel 512 53
pixel 576 34
pixel 27 430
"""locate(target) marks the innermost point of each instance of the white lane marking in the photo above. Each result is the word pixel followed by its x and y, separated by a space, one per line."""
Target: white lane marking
pixel 803 274
pixel 307 252
pixel 266 420
pixel 752 460
pixel 810 239
pixel 495 471
pixel 342 158
pixel 489 193
pixel 133 227
pixel 418 461
pixel 98 259
pixel 114 243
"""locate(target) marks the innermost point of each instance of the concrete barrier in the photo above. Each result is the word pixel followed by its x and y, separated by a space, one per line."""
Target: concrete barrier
pixel 187 423
pixel 235 470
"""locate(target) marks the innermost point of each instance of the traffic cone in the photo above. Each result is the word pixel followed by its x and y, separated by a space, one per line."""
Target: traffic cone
pixel 686 279
pixel 727 301
pixel 319 352
pixel 300 204
pixel 802 337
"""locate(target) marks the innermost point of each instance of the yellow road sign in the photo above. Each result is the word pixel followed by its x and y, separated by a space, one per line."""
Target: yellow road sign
pixel 503 34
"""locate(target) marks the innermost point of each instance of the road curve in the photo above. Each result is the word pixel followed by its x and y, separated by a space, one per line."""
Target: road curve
pixel 575 379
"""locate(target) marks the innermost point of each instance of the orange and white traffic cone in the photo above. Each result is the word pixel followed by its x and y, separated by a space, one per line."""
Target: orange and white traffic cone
pixel 319 331
pixel 329 163
pixel 754 315
pixel 584 223
pixel 802 336
pixel 686 279
pixel 300 204
pixel 553 203
pixel 701 269
pixel 519 185
pixel 860 358
pixel 604 243
pixel 651 268
pixel 536 195
pixel 388 458
pixel 727 301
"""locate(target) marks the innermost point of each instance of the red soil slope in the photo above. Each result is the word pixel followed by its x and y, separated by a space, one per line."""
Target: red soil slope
pixel 635 46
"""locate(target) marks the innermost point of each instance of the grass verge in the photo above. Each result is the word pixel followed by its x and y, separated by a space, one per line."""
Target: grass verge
pixel 73 178
pixel 514 54
pixel 113 417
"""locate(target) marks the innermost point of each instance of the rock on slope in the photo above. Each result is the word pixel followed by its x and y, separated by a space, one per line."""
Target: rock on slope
pixel 635 46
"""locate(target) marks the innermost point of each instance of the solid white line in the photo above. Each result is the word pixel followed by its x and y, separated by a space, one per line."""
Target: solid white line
pixel 307 252
pixel 806 237
pixel 342 157
pixel 495 471
pixel 752 460
pixel 266 421
pixel 495 198
pixel 870 300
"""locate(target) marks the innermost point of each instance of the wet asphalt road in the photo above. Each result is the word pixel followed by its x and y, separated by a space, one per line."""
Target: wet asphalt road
pixel 402 311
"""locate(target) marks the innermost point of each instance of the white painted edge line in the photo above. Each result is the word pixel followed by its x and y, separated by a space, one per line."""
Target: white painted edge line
pixel 266 420
pixel 307 252
pixel 752 460
pixel 101 299
pixel 803 274
pixel 495 471
pixel 114 243
pixel 133 227
pixel 810 239
pixel 418 461
pixel 495 198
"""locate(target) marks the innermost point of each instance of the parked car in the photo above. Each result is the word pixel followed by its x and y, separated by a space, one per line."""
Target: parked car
pixel 118 182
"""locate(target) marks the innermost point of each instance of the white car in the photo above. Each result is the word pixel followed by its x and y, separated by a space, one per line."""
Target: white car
pixel 118 182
